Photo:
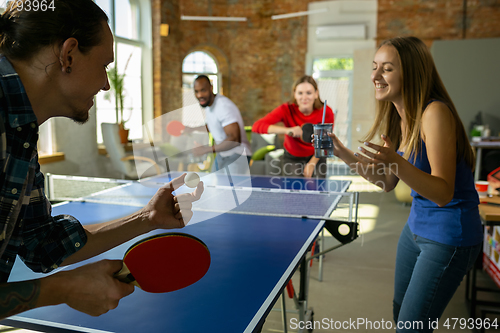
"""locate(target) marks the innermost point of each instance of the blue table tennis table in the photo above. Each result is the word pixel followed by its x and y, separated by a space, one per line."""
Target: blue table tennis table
pixel 253 256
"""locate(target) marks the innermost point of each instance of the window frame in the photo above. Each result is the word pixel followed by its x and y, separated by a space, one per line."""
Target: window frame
pixel 141 11
pixel 338 74
pixel 214 59
pixel 196 117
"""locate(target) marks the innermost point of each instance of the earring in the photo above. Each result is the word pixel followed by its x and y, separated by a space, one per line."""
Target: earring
pixel 68 69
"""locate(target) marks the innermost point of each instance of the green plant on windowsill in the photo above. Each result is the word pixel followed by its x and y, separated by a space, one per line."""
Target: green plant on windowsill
pixel 116 83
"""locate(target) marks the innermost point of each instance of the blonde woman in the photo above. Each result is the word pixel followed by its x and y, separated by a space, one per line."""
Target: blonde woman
pixel 424 144
pixel 305 107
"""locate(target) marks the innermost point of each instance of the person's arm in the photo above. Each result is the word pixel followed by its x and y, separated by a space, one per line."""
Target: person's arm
pixel 438 132
pixel 91 289
pixel 267 124
pixel 439 135
pixel 17 297
pixel 164 211
pixel 310 166
pixel 376 173
pixel 295 131
pixel 188 129
pixel 233 139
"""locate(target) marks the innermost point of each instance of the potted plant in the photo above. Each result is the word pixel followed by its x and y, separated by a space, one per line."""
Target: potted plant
pixel 116 82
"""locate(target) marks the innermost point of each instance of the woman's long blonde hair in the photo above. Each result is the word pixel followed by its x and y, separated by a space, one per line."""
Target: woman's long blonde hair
pixel 421 83
pixel 318 104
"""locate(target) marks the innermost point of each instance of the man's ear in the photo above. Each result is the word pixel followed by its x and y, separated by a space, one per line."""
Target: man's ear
pixel 67 52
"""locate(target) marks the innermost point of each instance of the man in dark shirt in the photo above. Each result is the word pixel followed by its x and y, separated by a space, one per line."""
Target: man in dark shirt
pixel 56 70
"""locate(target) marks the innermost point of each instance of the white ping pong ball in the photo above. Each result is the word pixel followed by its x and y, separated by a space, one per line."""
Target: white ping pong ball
pixel 192 179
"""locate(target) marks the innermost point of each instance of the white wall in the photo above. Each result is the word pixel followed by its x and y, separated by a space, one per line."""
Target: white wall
pixel 361 50
pixel 469 69
pixel 363 104
pixel 340 13
pixel 78 143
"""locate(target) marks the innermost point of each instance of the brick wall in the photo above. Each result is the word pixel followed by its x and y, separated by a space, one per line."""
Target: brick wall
pixel 265 56
pixel 438 19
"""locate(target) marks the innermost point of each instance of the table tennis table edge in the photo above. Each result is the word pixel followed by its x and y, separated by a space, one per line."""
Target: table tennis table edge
pixel 19 321
pixel 275 293
pixel 283 280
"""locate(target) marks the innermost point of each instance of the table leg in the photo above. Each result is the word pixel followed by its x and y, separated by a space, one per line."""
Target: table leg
pixel 283 312
pixel 303 290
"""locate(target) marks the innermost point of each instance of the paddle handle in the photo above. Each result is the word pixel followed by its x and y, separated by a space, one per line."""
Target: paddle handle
pixel 125 276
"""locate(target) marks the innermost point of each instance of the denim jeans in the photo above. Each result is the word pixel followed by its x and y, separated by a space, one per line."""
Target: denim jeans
pixel 427 275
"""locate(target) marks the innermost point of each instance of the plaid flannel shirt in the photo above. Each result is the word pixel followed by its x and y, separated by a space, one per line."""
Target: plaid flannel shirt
pixel 27 228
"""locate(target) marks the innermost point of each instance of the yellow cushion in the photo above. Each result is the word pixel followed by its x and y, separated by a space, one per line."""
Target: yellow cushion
pixel 261 152
pixel 169 150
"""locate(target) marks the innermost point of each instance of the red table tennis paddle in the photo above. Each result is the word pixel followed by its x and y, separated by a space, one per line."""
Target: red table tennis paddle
pixel 175 128
pixel 165 262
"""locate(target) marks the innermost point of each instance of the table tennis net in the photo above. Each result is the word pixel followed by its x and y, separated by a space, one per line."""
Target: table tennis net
pixel 63 188
pixel 258 201
pixel 237 200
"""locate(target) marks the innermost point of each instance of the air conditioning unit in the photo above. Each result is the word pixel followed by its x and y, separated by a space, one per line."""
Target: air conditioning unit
pixel 345 31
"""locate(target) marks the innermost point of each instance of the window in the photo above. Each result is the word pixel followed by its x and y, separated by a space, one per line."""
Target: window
pixel 196 63
pixel 132 47
pixel 46 142
pixel 334 78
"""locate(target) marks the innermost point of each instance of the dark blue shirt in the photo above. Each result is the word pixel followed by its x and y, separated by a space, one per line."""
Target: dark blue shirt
pixel 458 223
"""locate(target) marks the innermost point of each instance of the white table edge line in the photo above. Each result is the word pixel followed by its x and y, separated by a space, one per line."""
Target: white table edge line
pixel 273 294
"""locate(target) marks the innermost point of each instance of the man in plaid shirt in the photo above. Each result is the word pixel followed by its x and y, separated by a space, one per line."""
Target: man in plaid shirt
pixel 52 70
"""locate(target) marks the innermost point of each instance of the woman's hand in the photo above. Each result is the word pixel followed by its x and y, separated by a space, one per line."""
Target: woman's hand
pixel 383 156
pixel 338 146
pixel 295 132
pixel 310 167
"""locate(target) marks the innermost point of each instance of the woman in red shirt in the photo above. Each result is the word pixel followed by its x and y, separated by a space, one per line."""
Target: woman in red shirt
pixel 305 107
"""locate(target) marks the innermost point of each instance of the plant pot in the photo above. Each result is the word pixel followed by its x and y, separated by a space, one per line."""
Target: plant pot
pixel 123 135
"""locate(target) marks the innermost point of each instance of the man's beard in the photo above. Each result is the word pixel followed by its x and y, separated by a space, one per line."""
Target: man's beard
pixel 80 117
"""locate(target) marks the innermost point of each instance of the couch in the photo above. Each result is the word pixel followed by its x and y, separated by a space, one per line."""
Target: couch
pixel 267 157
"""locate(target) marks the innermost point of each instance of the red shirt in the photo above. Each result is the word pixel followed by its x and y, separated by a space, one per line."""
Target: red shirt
pixel 291 116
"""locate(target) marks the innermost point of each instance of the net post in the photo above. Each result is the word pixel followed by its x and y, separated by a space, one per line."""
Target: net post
pixel 321 248
pixel 49 186
pixel 351 205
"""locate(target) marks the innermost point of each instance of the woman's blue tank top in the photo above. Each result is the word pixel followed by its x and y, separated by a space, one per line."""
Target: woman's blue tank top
pixel 458 223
